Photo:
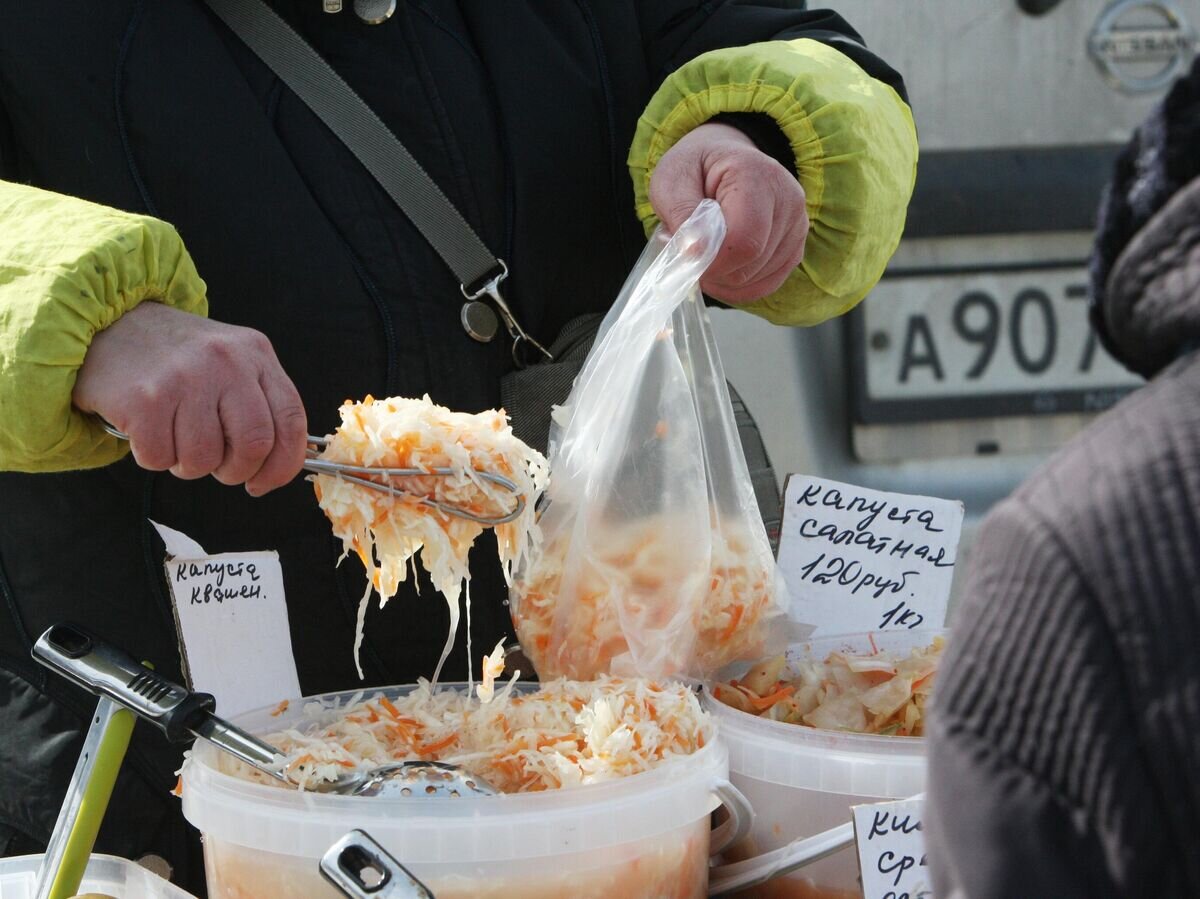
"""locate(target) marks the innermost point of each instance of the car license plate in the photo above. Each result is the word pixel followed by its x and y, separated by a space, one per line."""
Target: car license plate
pixel 980 345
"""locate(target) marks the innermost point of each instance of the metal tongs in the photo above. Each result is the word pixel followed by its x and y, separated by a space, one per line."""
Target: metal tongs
pixel 347 472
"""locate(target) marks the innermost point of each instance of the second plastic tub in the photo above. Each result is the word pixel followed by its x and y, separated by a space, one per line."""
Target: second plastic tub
pixel 640 836
pixel 105 874
pixel 802 781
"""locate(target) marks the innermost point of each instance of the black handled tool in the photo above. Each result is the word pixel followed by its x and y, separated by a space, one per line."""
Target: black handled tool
pixel 104 670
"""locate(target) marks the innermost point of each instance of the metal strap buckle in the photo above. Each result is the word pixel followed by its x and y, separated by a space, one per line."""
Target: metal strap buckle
pixel 520 337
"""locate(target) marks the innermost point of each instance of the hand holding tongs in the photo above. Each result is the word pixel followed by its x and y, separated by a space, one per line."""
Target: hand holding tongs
pixel 347 472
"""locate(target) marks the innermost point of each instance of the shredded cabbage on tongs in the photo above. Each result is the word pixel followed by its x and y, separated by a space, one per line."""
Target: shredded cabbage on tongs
pixel 388 532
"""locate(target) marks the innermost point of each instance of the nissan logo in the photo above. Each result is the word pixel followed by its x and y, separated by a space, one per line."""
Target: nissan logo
pixel 1142 45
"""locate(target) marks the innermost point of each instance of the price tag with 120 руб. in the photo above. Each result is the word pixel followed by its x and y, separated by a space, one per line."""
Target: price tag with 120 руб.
pixel 864 560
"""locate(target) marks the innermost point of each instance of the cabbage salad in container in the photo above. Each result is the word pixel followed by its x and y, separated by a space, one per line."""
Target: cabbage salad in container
pixel 877 692
pixel 833 722
pixel 564 734
pixel 605 788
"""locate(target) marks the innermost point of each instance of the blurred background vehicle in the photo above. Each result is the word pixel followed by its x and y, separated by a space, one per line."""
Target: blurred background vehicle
pixel 973 358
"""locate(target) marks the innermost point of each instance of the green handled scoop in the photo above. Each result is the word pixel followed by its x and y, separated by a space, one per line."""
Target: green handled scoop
pixel 86 801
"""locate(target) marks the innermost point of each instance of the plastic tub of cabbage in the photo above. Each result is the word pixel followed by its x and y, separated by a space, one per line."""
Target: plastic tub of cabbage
pixel 838 721
pixel 606 790
pixel 106 876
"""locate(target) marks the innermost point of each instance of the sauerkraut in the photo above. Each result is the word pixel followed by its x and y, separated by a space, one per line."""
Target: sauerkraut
pixel 565 734
pixel 870 693
pixel 493 667
pixel 670 865
pixel 636 602
pixel 388 532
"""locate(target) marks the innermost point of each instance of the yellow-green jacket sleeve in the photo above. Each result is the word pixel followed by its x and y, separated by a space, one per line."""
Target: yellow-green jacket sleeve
pixel 68 269
pixel 855 148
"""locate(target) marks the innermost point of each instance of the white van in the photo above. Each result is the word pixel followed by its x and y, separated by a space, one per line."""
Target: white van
pixel 973 358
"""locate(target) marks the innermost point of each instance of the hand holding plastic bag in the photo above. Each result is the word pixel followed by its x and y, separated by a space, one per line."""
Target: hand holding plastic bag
pixel 654 559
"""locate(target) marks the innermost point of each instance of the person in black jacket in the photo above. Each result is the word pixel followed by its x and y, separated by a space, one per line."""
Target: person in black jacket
pixel 1064 758
pixel 531 116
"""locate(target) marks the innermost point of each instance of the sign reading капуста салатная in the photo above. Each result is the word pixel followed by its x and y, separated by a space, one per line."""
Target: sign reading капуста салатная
pixel 859 560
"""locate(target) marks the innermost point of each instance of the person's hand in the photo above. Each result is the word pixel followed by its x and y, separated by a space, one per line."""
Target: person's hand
pixel 196 397
pixel 763 203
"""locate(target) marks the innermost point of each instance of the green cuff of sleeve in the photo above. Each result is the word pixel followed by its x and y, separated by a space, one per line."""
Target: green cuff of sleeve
pixel 68 269
pixel 855 148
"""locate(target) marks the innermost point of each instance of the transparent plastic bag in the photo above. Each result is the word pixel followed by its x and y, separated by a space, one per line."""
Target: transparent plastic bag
pixel 654 560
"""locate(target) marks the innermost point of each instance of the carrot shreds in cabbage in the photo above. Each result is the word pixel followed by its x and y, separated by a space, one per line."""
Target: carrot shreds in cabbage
pixel 389 531
pixel 765 702
pixel 876 693
pixel 566 734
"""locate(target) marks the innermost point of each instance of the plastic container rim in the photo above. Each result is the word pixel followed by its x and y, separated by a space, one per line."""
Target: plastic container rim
pixel 103 872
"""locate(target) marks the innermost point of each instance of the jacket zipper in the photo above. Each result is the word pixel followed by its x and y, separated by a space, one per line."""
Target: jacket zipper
pixel 609 121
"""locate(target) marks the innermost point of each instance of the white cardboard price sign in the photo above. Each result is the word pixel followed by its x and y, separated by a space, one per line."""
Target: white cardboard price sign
pixel 863 560
pixel 891 850
pixel 232 619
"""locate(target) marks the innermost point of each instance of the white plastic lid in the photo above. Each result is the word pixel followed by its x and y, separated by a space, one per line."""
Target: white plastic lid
pixel 420 830
pixel 824 760
pixel 105 874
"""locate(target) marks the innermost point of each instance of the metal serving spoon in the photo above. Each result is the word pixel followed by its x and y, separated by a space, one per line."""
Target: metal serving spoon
pixel 104 670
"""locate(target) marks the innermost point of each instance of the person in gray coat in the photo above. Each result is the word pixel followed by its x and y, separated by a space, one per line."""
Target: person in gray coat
pixel 1064 753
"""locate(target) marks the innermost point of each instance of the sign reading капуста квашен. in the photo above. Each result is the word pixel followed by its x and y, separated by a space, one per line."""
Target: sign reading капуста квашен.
pixel 863 560
pixel 232 618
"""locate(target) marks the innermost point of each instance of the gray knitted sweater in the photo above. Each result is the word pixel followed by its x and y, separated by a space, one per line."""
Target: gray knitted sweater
pixel 1065 742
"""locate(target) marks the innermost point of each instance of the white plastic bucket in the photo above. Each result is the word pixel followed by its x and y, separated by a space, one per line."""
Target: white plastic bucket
pixel 105 874
pixel 802 781
pixel 645 835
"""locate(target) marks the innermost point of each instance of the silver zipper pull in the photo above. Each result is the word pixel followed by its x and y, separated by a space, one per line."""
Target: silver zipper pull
pixel 331 6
